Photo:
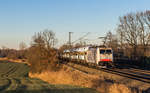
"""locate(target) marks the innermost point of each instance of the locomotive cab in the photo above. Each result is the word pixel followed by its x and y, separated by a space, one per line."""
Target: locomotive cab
pixel 105 57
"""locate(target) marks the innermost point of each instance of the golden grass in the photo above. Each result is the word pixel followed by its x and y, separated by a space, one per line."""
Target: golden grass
pixel 70 76
pixel 14 60
pixel 66 76
pixel 119 88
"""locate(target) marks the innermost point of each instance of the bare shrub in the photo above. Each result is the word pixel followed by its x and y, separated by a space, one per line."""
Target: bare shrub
pixel 42 55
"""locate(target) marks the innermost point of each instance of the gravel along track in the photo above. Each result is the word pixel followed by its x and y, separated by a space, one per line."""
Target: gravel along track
pixel 14 79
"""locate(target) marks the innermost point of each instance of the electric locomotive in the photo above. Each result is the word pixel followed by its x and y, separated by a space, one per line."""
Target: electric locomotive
pixel 98 55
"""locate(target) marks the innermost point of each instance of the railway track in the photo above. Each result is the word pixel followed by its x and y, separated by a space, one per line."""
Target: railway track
pixel 132 73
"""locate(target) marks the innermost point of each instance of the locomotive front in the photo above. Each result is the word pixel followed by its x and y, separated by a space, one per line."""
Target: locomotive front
pixel 106 57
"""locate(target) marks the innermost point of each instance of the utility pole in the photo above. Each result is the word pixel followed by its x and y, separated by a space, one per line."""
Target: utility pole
pixel 70 43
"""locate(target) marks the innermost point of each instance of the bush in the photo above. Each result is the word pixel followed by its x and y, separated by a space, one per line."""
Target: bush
pixel 41 55
pixel 41 60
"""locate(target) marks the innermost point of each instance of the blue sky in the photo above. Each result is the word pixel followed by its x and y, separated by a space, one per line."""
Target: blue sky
pixel 20 19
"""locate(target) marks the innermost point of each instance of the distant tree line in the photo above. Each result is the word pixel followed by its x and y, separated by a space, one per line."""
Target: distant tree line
pixel 13 53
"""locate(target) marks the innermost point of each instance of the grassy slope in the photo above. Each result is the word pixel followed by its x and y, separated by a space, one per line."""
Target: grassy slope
pixel 14 79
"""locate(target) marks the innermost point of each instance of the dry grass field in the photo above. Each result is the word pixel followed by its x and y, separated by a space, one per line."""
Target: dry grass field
pixel 14 79
pixel 68 75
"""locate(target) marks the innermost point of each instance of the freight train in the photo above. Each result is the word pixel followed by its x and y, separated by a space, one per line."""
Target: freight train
pixel 97 55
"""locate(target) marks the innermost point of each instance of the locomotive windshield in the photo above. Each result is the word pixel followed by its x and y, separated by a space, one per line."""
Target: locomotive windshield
pixel 107 51
pixel 102 51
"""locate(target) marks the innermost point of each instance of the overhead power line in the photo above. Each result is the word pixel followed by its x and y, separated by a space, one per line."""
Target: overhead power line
pixel 81 38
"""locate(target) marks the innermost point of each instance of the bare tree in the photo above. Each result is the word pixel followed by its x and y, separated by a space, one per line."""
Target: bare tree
pixel 129 28
pixel 120 35
pixel 49 38
pixel 45 55
pixel 134 32
pixel 144 30
pixel 111 40
pixel 46 38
